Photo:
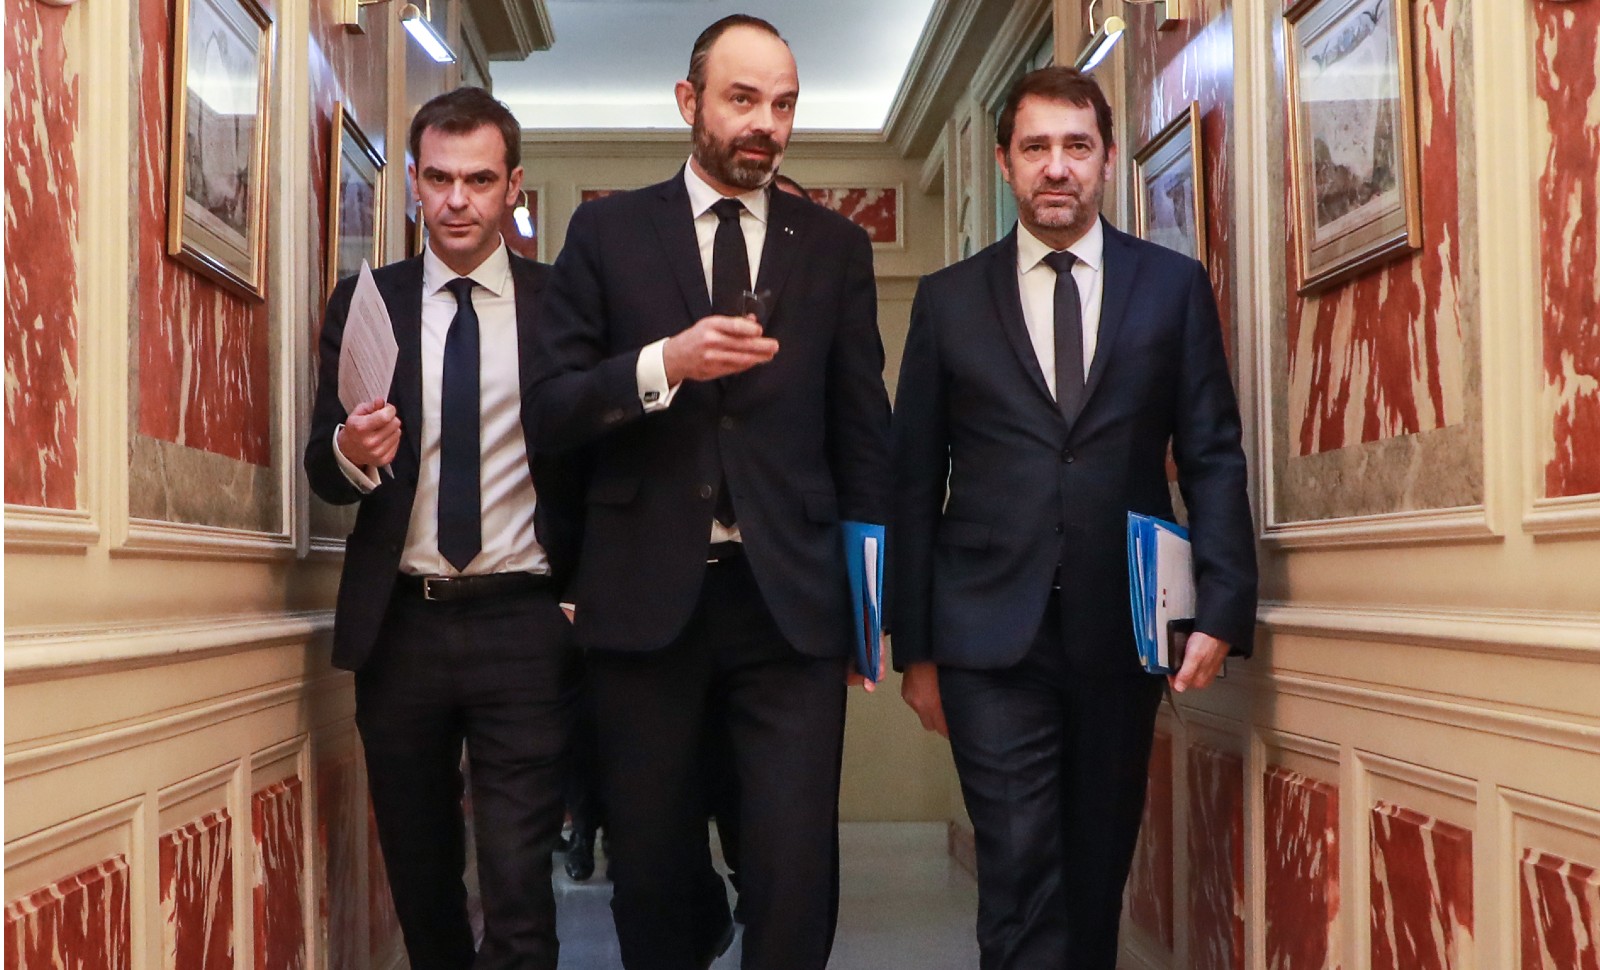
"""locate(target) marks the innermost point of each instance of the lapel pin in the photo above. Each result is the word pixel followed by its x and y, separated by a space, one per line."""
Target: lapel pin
pixel 787 231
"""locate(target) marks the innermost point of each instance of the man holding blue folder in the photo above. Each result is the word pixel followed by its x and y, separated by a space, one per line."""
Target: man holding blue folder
pixel 1043 380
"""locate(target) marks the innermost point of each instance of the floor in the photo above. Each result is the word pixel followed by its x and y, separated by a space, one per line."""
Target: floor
pixel 903 903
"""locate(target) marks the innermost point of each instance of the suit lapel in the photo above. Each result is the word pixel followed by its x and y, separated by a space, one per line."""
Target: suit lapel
pixel 1008 307
pixel 786 228
pixel 1121 263
pixel 675 225
pixel 403 297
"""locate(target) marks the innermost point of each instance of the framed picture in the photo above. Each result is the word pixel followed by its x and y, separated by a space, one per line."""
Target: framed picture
pixel 1352 136
pixel 355 200
pixel 1170 202
pixel 222 57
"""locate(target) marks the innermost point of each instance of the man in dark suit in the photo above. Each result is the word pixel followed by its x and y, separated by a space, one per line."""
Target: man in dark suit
pixel 448 607
pixel 1042 383
pixel 725 449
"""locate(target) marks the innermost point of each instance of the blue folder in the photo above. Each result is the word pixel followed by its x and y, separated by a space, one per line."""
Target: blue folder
pixel 863 559
pixel 1160 591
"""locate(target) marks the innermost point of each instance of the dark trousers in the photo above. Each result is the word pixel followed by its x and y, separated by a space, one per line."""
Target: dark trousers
pixel 1053 764
pixel 499 674
pixel 784 714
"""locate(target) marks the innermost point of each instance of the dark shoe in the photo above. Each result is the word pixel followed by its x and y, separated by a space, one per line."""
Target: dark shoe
pixel 718 947
pixel 580 857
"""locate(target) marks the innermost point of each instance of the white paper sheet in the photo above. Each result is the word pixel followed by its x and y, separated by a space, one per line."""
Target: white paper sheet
pixel 369 351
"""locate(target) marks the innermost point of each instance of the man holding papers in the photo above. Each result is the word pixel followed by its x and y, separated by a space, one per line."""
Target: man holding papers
pixel 448 608
pixel 1043 381
pixel 713 346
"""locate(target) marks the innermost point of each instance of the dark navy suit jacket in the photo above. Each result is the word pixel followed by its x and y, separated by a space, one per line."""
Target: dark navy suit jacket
pixel 372 554
pixel 993 489
pixel 803 439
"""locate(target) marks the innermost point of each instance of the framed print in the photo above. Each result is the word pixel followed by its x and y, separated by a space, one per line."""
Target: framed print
pixel 1352 136
pixel 355 200
pixel 1170 201
pixel 221 91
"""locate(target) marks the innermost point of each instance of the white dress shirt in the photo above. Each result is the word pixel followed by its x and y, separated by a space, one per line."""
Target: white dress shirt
pixel 651 369
pixel 1037 282
pixel 506 486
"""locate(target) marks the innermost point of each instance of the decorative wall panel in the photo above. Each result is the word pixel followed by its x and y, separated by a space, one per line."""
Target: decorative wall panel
pixel 1301 880
pixel 1216 859
pixel 1150 882
pixel 1560 916
pixel 280 860
pixel 339 898
pixel 875 210
pixel 196 871
pixel 1421 891
pixel 80 922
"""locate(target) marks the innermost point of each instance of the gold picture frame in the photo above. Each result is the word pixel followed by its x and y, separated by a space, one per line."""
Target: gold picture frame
pixel 1170 194
pixel 222 57
pixel 355 200
pixel 1352 136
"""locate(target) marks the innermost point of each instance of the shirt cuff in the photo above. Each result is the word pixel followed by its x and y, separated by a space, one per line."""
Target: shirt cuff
pixel 651 374
pixel 364 479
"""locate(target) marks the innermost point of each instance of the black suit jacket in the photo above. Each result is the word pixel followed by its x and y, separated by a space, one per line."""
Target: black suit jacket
pixel 993 489
pixel 372 554
pixel 803 439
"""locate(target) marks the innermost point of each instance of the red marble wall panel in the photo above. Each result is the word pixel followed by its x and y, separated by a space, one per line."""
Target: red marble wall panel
pixel 1301 884
pixel 81 922
pixel 1150 882
pixel 339 902
pixel 875 210
pixel 1421 891
pixel 1560 918
pixel 1566 56
pixel 41 272
pixel 383 927
pixel 1216 859
pixel 203 352
pixel 515 241
pixel 1382 354
pixel 280 859
pixel 589 195
pixel 1192 62
pixel 196 871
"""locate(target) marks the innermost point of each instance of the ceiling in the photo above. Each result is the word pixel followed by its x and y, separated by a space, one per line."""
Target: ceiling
pixel 614 61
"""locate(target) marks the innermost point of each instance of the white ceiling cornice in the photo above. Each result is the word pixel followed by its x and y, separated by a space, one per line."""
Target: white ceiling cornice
pixel 958 35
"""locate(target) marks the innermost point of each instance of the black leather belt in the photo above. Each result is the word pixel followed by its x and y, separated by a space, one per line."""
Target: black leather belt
pixel 454 589
pixel 724 551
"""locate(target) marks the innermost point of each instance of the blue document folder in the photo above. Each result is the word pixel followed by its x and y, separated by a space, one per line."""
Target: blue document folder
pixel 863 559
pixel 1160 591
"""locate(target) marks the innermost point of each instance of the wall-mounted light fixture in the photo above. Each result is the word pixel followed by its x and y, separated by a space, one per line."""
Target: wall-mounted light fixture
pixel 1105 37
pixel 417 21
pixel 522 217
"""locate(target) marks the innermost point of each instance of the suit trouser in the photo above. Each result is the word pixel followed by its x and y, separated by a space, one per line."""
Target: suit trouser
pixel 1053 763
pixel 784 713
pixel 498 673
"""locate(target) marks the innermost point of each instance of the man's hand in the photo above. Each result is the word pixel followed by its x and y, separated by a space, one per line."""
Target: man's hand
pixel 1202 659
pixel 854 677
pixel 920 688
pixel 371 434
pixel 716 347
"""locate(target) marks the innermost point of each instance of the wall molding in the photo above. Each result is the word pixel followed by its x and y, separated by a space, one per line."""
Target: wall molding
pixel 1530 633
pixel 152 537
pixel 1570 515
pixel 1468 523
pixel 36 529
pixel 54 653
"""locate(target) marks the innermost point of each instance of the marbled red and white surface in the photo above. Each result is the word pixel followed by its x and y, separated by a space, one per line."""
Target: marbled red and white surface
pixel 339 898
pixel 1192 62
pixel 1566 57
pixel 383 926
pixel 1216 859
pixel 1560 918
pixel 1301 881
pixel 875 210
pixel 196 871
pixel 41 272
pixel 589 195
pixel 1150 881
pixel 1421 891
pixel 1382 354
pixel 202 352
pixel 81 922
pixel 279 862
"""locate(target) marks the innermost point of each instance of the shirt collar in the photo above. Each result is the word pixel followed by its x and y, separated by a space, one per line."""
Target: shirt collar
pixel 702 196
pixel 493 274
pixel 1090 248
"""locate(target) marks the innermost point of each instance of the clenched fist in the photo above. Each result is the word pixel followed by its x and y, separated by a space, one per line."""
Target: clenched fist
pixel 371 434
pixel 716 347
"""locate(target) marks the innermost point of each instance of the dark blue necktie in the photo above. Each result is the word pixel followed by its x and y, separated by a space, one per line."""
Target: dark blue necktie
pixel 460 494
pixel 1069 336
pixel 730 279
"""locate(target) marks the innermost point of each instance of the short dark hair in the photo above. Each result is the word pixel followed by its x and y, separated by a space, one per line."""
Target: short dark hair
pixel 702 44
pixel 1055 84
pixel 464 110
pixel 783 182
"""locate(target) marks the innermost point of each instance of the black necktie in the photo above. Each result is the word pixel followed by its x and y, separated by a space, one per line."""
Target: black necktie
pixel 460 496
pixel 1069 336
pixel 730 280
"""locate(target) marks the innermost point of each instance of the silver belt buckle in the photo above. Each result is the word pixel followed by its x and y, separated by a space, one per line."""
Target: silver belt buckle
pixel 427 586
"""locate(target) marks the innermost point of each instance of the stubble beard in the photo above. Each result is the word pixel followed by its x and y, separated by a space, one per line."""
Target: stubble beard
pixel 1074 217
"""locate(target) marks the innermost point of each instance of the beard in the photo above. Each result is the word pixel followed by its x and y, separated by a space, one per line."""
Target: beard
pixel 721 158
pixel 1075 214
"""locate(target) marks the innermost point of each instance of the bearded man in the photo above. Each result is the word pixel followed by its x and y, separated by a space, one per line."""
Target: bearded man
pixel 711 347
